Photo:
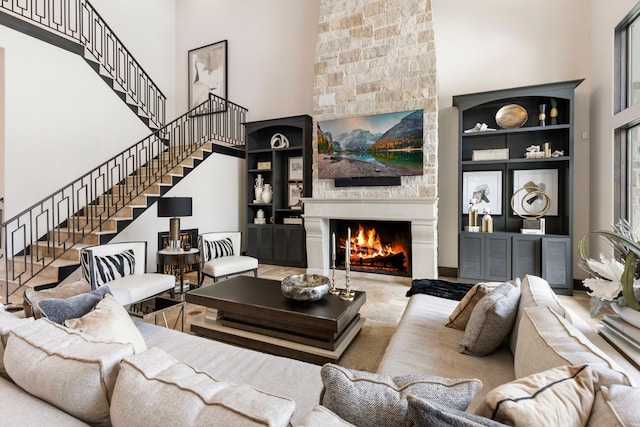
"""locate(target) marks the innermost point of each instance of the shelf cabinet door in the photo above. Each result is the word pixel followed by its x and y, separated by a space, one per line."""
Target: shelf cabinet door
pixel 471 259
pixel 289 245
pixel 260 242
pixel 527 254
pixel 556 264
pixel 497 258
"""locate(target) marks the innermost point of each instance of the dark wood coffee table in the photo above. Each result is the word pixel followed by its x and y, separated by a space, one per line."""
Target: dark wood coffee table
pixel 253 313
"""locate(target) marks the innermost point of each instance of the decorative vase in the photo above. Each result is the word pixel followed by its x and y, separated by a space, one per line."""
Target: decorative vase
pixel 258 188
pixel 267 194
pixel 627 314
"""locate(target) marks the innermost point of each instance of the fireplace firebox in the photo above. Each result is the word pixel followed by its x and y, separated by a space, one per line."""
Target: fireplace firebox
pixel 382 247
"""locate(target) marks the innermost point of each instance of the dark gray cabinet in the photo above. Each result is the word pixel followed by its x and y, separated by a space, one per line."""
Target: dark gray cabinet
pixel 500 153
pixel 281 240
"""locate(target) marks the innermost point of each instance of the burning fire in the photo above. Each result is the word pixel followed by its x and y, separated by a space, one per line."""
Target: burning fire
pixel 366 244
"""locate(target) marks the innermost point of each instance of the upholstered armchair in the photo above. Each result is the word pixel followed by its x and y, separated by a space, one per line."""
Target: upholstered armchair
pixel 220 256
pixel 123 267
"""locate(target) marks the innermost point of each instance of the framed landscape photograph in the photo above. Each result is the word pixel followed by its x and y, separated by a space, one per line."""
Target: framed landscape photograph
pixel 208 74
pixel 544 179
pixel 485 187
pixel 295 169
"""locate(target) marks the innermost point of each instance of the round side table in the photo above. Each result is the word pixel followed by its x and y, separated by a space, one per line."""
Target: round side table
pixel 180 259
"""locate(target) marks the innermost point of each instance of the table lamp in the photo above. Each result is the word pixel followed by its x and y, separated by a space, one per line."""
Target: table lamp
pixel 174 207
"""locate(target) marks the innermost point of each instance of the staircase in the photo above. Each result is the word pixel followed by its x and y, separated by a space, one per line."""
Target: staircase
pixel 42 243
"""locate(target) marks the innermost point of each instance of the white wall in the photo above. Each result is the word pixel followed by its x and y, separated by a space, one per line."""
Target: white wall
pixel 61 120
pixel 147 29
pixel 497 44
pixel 270 51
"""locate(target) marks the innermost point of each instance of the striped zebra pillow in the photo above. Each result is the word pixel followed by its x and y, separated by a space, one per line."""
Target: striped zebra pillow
pixel 217 248
pixel 110 267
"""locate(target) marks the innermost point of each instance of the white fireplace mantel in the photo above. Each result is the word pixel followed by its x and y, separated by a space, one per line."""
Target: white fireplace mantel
pixel 422 213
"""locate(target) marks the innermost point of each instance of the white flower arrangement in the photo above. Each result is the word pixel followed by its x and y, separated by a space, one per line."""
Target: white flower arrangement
pixel 613 281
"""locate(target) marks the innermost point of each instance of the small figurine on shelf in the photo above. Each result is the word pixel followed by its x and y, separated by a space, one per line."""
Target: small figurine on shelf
pixel 473 215
pixel 542 108
pixel 487 221
pixel 553 113
pixel 258 187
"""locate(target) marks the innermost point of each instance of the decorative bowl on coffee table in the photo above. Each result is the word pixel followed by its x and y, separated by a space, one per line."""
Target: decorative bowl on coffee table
pixel 305 287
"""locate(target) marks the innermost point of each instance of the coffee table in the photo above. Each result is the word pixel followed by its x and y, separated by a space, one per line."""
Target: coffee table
pixel 253 313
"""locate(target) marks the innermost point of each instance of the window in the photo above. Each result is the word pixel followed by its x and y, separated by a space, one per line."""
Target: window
pixel 627 137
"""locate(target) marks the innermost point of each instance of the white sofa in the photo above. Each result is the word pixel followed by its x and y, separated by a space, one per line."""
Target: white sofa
pixel 422 345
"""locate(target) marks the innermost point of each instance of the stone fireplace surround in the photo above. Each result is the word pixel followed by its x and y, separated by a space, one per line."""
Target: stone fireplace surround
pixel 422 213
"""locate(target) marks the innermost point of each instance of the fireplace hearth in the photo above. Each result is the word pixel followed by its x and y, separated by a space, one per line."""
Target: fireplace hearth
pixel 382 247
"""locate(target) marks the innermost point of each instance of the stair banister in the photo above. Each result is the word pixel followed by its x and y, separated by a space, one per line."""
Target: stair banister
pixel 43 232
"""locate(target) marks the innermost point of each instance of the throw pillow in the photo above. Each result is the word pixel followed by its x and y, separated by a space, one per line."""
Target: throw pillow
pixel 32 297
pixel 8 321
pixel 183 396
pixel 367 399
pixel 217 248
pixel 111 267
pixel 320 416
pixel 70 370
pixel 426 413
pixel 109 321
pixel 491 320
pixel 460 316
pixel 547 340
pixel 58 309
pixel 534 292
pixel 560 396
pixel 616 402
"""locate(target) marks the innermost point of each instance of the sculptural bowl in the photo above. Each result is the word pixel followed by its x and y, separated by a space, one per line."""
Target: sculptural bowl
pixel 305 287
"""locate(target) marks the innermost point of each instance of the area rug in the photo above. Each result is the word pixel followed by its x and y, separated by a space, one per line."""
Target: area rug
pixel 439 288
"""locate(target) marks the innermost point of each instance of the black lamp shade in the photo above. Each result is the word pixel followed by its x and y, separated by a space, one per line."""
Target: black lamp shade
pixel 174 206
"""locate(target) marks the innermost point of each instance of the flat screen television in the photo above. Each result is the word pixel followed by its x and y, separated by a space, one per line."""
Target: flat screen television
pixel 375 146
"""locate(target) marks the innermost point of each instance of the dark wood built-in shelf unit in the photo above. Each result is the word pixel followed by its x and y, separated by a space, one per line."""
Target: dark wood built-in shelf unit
pixel 507 253
pixel 276 242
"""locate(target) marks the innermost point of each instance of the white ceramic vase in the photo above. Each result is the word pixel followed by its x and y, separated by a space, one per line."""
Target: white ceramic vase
pixel 267 194
pixel 627 314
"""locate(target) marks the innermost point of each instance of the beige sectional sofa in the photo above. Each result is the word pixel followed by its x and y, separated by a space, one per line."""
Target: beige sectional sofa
pixel 188 380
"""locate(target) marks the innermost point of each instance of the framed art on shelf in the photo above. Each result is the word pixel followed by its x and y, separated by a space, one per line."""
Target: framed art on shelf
pixel 208 74
pixel 294 193
pixel 485 187
pixel 295 169
pixel 545 180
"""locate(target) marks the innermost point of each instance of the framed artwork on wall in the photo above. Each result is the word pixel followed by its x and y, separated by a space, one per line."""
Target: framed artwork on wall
pixel 485 187
pixel 294 194
pixel 208 74
pixel 295 169
pixel 527 185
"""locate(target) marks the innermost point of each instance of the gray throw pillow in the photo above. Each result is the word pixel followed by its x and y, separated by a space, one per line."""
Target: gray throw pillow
pixel 427 413
pixel 367 399
pixel 491 320
pixel 58 310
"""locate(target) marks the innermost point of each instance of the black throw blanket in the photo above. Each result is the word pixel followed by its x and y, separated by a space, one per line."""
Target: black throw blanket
pixel 439 288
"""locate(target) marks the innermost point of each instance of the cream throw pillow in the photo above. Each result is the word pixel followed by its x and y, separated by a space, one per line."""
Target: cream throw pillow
pixel 460 316
pixel 70 370
pixel 561 396
pixel 8 321
pixel 109 321
pixel 153 389
pixel 547 340
pixel 617 404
